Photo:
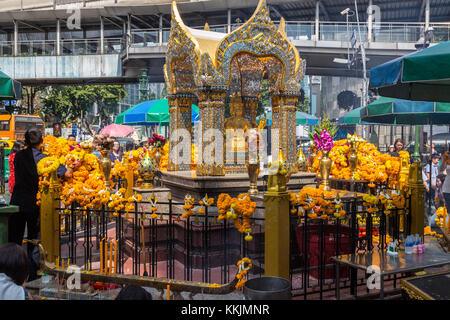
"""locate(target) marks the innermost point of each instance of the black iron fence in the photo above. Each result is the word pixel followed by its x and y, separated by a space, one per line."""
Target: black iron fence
pixel 201 248
pixel 315 241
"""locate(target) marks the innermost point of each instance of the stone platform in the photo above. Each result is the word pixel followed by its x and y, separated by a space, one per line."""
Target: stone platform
pixel 182 182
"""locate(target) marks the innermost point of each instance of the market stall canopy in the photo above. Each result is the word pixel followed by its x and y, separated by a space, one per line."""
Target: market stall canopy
pixel 398 111
pixel 419 76
pixel 300 118
pixel 352 117
pixel 10 89
pixel 117 130
pixel 150 113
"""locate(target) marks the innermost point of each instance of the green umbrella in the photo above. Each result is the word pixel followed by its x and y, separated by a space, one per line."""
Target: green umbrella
pixel 150 113
pixel 420 76
pixel 399 111
pixel 351 117
pixel 10 89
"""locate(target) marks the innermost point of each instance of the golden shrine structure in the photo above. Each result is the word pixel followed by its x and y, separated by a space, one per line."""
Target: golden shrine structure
pixel 206 67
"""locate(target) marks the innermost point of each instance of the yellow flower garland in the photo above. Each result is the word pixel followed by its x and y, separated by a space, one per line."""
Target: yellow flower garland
pixel 47 165
pixel 188 206
pixel 244 265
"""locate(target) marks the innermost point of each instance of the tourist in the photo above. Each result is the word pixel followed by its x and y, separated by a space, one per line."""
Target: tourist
pixel 391 149
pixel 434 172
pixel 439 196
pixel 25 192
pixel 129 146
pixel 131 292
pixel 18 145
pixel 426 184
pixel 398 146
pixel 445 166
pixel 13 272
pixel 116 152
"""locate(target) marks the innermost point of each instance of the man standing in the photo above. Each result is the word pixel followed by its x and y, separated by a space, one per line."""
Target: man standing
pixel 434 171
pixel 24 195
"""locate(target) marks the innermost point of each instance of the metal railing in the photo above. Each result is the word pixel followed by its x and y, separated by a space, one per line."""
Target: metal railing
pixel 315 241
pixel 199 248
pixel 328 31
pixel 202 248
pixel 67 47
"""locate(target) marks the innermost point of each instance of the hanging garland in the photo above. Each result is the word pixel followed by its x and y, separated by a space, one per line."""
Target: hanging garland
pixel 244 265
pixel 188 206
pixel 223 206
pixel 206 202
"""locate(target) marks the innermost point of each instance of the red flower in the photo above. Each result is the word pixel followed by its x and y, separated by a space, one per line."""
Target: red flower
pixel 151 141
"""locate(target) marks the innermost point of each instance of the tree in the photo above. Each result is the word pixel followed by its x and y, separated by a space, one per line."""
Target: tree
pixel 30 97
pixel 303 106
pixel 72 103
pixel 107 97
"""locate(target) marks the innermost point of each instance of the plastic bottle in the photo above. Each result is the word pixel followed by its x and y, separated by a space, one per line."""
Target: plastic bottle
pixel 408 245
pixel 421 246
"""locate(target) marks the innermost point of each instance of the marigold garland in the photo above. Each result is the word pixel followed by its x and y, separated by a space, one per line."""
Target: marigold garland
pixel 188 206
pixel 223 206
pixel 87 186
pixel 372 166
pixel 312 201
pixel 244 265
pixel 242 208
pixel 206 202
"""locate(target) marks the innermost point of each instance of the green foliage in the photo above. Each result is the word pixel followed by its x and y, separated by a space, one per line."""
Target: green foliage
pixel 324 124
pixel 30 95
pixel 303 105
pixel 71 103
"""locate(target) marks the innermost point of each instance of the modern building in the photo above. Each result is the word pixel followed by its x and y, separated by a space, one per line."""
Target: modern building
pixel 112 41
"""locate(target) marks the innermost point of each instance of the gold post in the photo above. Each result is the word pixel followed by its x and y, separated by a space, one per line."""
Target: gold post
pixel 277 230
pixel 129 177
pixel 417 191
pixel 50 218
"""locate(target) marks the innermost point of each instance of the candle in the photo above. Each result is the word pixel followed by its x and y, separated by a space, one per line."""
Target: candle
pixel 101 256
pixel 110 258
pixel 106 257
pixel 68 262
pixel 88 265
pixel 62 262
pixel 57 262
pixel 168 292
pixel 115 258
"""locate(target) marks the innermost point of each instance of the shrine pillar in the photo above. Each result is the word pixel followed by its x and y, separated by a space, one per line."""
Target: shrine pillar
pixel 283 127
pixel 417 193
pixel 277 229
pixel 180 128
pixel 49 217
pixel 211 130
